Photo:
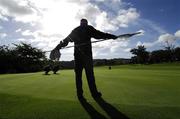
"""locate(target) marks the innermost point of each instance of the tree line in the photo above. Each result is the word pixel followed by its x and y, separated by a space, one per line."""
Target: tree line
pixel 25 58
pixel 142 56
pixel 21 58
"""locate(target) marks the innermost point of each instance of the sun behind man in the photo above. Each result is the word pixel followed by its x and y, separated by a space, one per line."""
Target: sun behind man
pixel 83 54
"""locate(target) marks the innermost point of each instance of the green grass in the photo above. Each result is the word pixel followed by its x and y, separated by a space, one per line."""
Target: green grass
pixel 137 91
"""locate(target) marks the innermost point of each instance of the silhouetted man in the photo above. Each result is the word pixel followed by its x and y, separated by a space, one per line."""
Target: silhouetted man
pixel 81 36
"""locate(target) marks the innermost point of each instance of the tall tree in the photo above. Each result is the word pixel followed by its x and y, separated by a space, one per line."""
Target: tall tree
pixel 169 51
pixel 21 58
pixel 29 56
pixel 158 56
pixel 141 55
pixel 177 53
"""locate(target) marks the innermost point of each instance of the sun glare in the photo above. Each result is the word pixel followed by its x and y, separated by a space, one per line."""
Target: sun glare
pixel 60 18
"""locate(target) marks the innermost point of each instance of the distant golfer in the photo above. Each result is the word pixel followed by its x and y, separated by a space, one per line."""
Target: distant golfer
pixel 47 69
pixel 83 54
pixel 55 69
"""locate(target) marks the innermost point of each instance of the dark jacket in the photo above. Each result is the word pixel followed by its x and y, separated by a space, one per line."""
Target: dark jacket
pixel 81 36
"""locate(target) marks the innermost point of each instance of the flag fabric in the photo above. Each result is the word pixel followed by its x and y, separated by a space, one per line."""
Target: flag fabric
pixel 55 55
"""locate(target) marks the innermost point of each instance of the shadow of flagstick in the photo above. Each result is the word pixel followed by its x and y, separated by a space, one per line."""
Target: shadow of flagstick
pixel 110 110
pixel 93 113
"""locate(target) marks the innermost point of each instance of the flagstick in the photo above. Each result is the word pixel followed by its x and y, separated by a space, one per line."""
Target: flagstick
pixel 120 36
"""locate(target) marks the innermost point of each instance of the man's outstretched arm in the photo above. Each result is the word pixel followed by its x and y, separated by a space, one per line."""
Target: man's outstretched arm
pixel 101 35
pixel 61 45
pixel 64 42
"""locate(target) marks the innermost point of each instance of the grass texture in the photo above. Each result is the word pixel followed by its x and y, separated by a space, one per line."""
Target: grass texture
pixel 136 91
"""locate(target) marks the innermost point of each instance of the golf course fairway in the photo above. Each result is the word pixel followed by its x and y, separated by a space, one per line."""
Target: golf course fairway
pixel 136 91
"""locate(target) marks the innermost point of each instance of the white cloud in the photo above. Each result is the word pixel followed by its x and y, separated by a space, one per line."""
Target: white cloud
pixel 27 33
pixel 57 18
pixel 167 38
pixel 61 17
pixel 3 35
pixel 110 49
pixel 102 19
pixel 43 41
pixel 20 10
pixel 104 23
pixel 89 11
pixel 177 34
pixel 127 49
pixel 116 47
pixel 2 17
pixel 139 43
pixel 126 16
pixel 22 40
pixel 18 30
pixel 150 44
pixel 123 19
pixel 15 7
pixel 164 38
pixel 147 44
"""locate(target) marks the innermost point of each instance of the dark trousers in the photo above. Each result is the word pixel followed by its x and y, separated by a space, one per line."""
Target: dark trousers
pixel 85 62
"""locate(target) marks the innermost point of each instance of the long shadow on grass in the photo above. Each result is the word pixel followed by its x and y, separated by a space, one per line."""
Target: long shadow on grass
pixel 93 113
pixel 112 112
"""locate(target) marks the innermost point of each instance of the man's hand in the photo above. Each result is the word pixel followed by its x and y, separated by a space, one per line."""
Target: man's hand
pixel 59 46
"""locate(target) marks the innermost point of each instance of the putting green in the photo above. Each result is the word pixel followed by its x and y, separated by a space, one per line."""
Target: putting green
pixel 137 91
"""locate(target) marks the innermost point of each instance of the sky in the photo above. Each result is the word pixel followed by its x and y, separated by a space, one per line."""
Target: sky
pixel 44 23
